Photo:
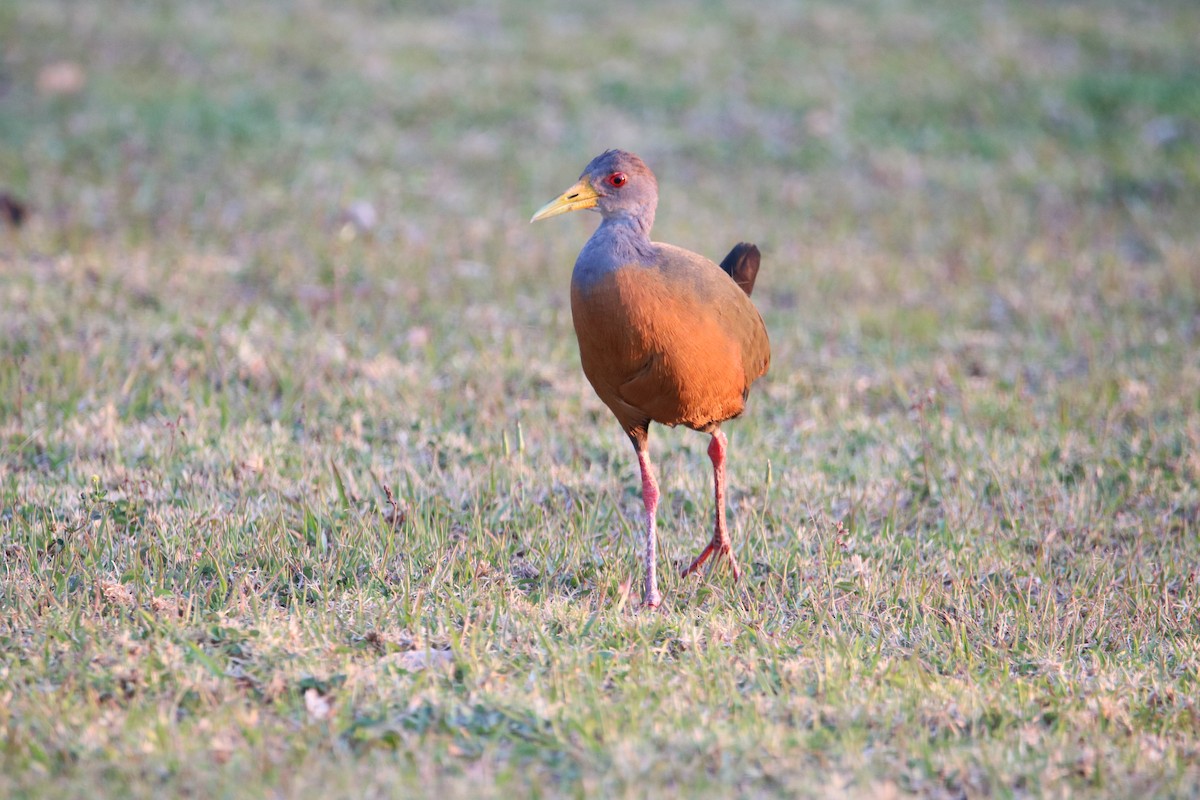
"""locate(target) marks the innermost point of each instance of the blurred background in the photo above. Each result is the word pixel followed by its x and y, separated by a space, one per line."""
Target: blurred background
pixel 229 216
pixel 911 130
pixel 1000 197
pixel 263 262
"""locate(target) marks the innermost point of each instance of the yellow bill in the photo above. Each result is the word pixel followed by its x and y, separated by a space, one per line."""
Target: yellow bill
pixel 577 198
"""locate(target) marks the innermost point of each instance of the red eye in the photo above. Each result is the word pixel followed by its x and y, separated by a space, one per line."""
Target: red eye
pixel 617 179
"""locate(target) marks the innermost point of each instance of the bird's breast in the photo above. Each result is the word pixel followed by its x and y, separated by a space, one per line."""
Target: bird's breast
pixel 620 314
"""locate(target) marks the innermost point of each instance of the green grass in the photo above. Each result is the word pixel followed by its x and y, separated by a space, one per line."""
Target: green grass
pixel 965 497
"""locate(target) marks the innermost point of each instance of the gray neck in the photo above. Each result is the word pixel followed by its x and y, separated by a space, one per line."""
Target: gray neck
pixel 620 241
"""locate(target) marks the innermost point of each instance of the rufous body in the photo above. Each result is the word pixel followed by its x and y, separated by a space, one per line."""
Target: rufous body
pixel 675 341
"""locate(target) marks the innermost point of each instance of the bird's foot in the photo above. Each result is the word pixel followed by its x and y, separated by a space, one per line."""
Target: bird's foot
pixel 651 600
pixel 716 548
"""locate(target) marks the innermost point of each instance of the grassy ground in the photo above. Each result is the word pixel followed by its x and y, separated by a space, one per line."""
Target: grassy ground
pixel 966 494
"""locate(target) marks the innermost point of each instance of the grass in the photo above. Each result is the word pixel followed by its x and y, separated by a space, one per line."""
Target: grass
pixel 966 496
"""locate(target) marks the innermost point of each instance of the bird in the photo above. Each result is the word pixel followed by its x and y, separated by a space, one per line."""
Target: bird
pixel 665 335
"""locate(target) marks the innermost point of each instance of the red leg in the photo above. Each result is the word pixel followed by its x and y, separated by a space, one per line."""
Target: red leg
pixel 719 546
pixel 651 598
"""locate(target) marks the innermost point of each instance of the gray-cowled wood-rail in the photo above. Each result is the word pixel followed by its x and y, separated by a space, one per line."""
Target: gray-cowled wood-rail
pixel 665 335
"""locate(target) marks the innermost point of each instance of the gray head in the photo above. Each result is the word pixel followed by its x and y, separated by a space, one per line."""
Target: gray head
pixel 617 184
pixel 625 184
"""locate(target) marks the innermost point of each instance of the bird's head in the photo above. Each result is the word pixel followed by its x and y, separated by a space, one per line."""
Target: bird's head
pixel 615 183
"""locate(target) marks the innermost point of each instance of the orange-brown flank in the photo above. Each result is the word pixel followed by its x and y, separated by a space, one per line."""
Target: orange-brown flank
pixel 668 347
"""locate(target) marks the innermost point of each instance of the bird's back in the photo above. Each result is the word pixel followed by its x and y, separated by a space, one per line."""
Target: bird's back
pixel 672 340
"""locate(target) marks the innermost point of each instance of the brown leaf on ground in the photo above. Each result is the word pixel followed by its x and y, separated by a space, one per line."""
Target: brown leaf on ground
pixel 61 78
pixel 417 660
pixel 318 705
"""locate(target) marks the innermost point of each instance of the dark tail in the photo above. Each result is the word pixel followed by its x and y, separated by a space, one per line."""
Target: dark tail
pixel 742 265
